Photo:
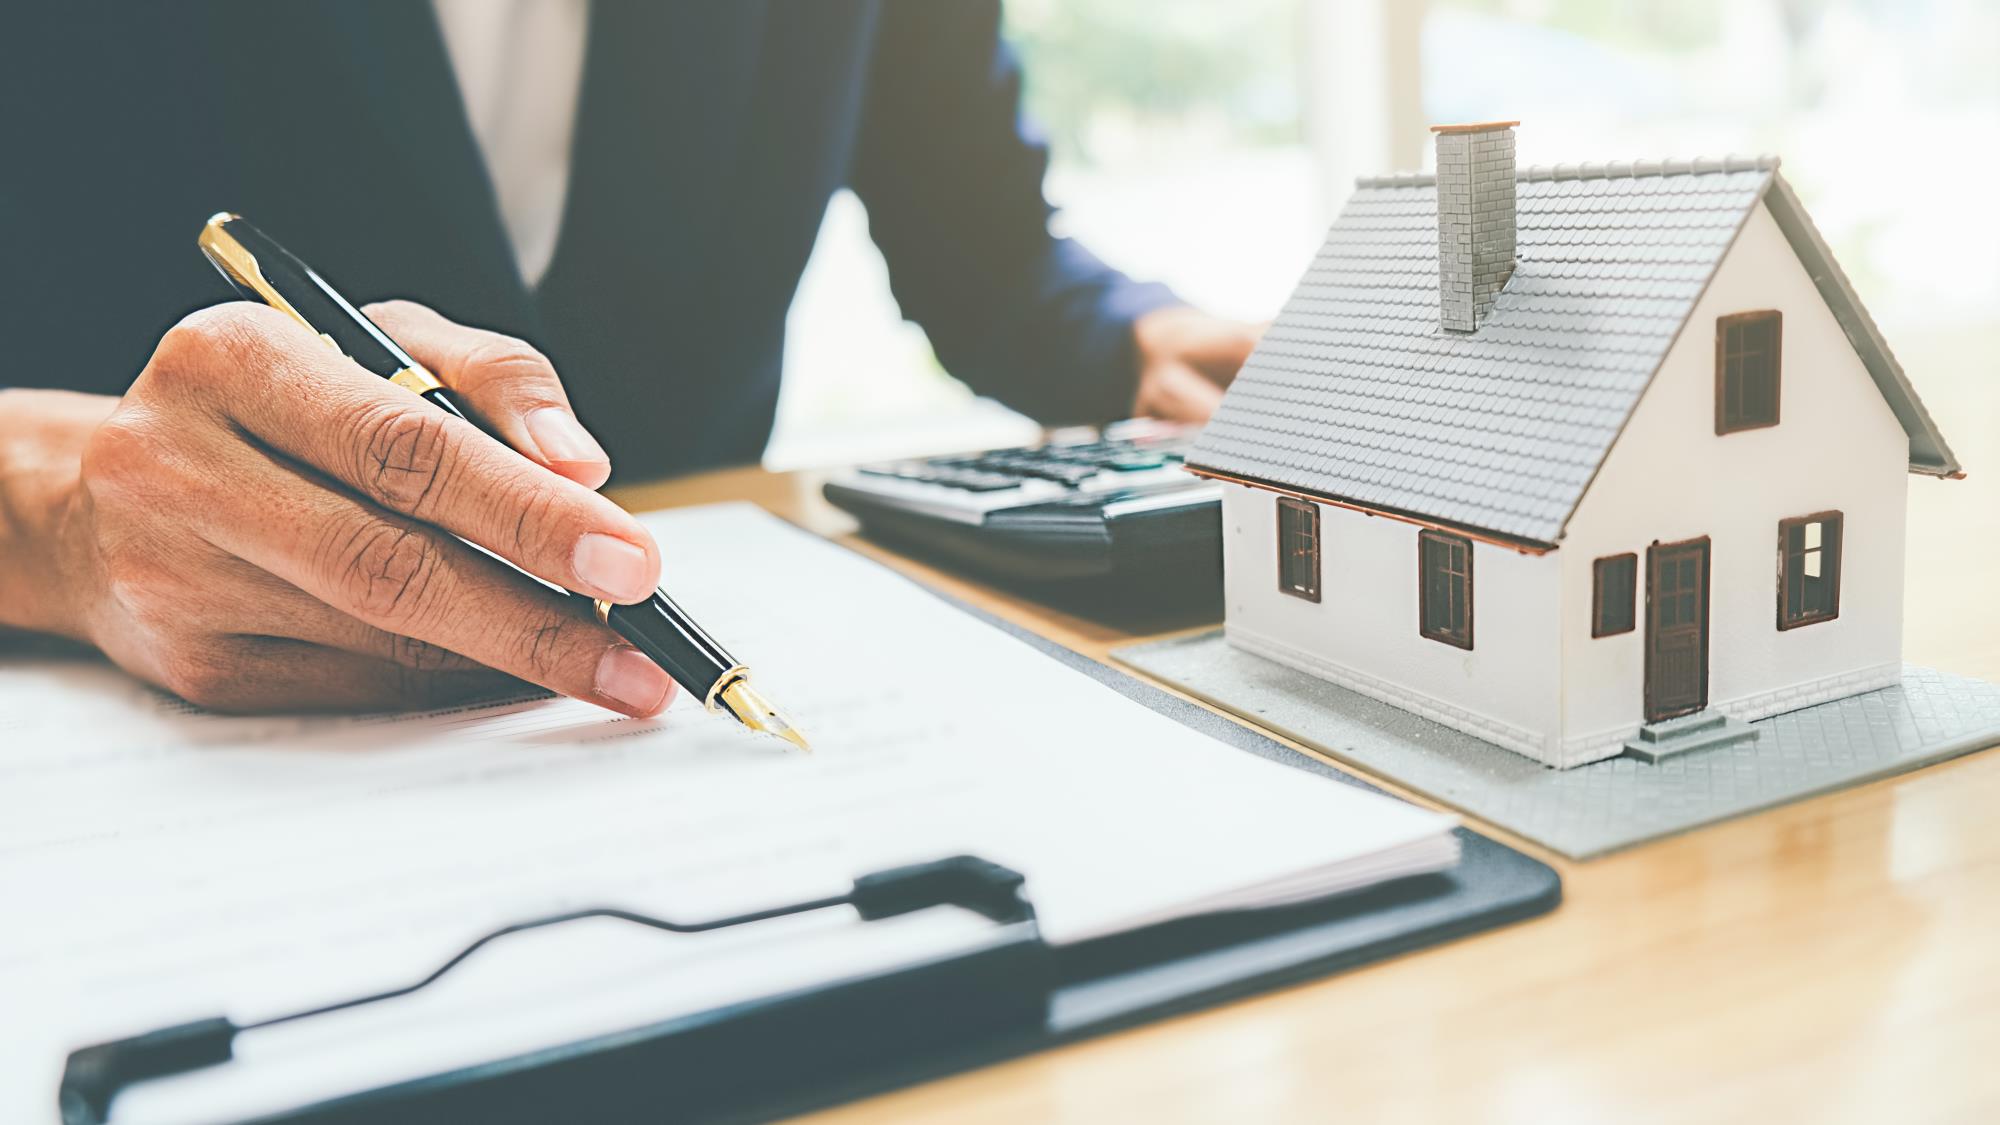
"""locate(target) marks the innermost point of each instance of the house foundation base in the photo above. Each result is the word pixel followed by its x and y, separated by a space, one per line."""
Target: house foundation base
pixel 1926 716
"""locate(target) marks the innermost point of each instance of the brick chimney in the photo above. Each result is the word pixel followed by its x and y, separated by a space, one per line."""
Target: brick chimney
pixel 1475 197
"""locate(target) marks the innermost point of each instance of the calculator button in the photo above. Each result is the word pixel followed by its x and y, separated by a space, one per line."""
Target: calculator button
pixel 979 482
pixel 1133 462
pixel 1061 474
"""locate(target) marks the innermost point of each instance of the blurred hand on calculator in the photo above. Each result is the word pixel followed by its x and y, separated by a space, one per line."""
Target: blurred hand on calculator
pixel 1186 358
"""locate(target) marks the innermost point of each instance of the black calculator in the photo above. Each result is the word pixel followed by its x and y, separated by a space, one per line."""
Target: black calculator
pixel 1111 510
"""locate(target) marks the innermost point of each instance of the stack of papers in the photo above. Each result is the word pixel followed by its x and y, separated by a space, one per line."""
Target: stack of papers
pixel 158 864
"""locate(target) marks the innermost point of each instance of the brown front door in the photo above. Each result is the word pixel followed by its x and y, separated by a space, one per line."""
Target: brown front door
pixel 1676 628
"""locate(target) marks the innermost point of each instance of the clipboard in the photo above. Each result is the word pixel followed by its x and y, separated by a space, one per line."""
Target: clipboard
pixel 778 1055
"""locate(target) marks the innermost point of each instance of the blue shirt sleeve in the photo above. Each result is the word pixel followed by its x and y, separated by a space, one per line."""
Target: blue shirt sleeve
pixel 952 179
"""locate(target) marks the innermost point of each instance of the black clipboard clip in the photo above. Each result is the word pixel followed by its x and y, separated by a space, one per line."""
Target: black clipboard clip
pixel 702 1066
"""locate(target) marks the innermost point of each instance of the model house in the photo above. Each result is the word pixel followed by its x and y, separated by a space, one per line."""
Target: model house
pixel 1573 459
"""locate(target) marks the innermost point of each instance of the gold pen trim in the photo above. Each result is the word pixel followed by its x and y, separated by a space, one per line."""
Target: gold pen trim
pixel 236 260
pixel 732 694
pixel 416 380
pixel 722 684
pixel 756 712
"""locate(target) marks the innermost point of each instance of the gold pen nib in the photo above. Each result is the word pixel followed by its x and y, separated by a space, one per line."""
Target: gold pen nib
pixel 756 712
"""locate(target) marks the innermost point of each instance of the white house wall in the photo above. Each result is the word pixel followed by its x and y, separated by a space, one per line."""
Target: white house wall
pixel 1670 477
pixel 1362 634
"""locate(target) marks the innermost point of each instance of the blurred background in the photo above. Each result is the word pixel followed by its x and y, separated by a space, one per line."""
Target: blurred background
pixel 1208 145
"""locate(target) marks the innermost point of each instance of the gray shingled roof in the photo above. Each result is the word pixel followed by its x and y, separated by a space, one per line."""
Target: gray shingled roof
pixel 1356 394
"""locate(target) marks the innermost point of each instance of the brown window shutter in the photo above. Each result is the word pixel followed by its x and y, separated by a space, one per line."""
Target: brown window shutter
pixel 1809 569
pixel 1298 548
pixel 1614 588
pixel 1749 355
pixel 1444 587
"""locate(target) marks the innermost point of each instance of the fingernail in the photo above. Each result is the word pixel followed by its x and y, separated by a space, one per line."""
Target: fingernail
pixel 561 437
pixel 613 568
pixel 624 675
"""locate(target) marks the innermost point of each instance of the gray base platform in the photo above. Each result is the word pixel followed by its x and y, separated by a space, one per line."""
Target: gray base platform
pixel 1607 805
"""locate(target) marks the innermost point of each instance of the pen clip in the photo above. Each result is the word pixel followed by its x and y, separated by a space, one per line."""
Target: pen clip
pixel 240 267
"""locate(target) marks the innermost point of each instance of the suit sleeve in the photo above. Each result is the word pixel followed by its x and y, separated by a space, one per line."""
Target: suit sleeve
pixel 952 179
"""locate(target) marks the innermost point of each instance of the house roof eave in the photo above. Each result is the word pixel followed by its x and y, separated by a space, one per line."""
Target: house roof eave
pixel 1929 453
pixel 1515 543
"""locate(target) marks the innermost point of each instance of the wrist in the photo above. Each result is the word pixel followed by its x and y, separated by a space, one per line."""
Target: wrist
pixel 42 436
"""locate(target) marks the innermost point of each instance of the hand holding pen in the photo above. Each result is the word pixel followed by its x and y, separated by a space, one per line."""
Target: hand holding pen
pixel 260 269
pixel 259 523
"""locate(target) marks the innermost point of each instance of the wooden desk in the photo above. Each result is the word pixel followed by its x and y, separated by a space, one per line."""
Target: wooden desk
pixel 1833 960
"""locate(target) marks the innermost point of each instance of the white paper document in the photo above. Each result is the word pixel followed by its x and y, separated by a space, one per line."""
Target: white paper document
pixel 159 865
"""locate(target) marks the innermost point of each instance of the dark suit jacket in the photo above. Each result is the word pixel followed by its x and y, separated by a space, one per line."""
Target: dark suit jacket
pixel 710 134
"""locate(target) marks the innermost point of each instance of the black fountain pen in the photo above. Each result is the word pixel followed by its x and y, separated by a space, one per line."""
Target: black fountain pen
pixel 262 270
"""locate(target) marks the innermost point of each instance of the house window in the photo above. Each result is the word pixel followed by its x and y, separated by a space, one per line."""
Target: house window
pixel 1747 351
pixel 1444 585
pixel 1808 569
pixel 1616 582
pixel 1298 548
